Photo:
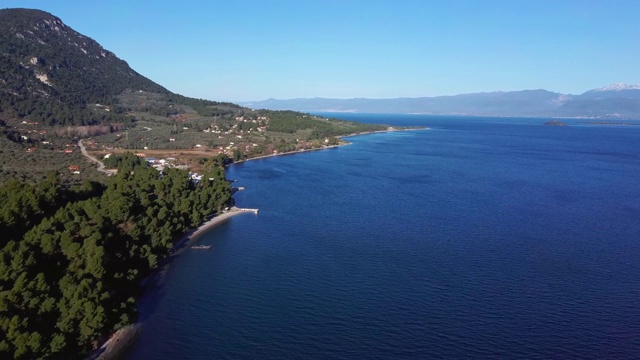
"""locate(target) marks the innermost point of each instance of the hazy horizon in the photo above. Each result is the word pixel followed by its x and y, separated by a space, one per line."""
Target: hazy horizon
pixel 442 95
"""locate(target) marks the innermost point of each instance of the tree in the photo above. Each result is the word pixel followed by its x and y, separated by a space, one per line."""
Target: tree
pixel 70 276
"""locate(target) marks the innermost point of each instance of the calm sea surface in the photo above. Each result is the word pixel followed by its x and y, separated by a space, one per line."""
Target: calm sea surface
pixel 475 239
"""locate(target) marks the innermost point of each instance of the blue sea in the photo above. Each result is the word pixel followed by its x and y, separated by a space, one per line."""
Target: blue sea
pixel 478 238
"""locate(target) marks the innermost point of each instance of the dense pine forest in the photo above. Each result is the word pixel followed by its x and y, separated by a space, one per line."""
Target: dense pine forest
pixel 71 259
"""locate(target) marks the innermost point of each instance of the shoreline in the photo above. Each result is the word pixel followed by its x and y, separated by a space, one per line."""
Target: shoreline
pixel 288 153
pixel 120 340
pixel 213 222
pixel 390 129
pixel 188 238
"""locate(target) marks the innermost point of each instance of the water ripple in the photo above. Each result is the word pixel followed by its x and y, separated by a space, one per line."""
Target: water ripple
pixel 483 240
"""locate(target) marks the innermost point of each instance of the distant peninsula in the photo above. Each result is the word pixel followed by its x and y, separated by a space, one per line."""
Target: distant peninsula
pixel 611 123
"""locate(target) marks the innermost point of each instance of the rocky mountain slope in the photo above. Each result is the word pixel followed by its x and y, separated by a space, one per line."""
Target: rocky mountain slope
pixel 51 74
pixel 46 67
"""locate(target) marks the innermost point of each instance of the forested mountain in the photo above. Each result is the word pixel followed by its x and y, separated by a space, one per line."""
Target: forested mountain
pixel 57 85
pixel 617 101
pixel 51 74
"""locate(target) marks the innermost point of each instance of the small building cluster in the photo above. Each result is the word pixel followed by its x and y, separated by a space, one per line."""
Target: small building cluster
pixel 158 164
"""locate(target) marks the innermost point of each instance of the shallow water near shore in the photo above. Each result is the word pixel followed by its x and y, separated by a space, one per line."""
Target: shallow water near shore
pixel 478 238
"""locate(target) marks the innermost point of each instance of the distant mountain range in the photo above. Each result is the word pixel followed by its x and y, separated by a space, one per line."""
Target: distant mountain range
pixel 617 101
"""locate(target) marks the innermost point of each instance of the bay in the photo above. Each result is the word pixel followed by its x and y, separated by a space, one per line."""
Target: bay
pixel 477 238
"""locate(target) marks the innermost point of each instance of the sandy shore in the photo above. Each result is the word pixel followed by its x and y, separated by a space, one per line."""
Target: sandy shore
pixel 189 237
pixel 216 220
pixel 119 341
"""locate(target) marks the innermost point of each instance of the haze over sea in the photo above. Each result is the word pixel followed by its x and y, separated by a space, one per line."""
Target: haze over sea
pixel 478 238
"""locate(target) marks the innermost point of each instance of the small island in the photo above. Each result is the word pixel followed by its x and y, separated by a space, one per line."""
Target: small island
pixel 555 123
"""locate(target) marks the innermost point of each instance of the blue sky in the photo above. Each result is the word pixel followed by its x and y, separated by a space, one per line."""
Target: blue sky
pixel 242 50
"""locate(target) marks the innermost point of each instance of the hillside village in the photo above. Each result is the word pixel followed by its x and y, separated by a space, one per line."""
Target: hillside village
pixel 181 141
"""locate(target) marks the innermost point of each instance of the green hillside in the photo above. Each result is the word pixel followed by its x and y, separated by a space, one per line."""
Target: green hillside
pixel 59 86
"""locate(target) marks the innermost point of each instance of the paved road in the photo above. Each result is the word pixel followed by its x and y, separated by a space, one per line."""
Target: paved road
pixel 93 159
